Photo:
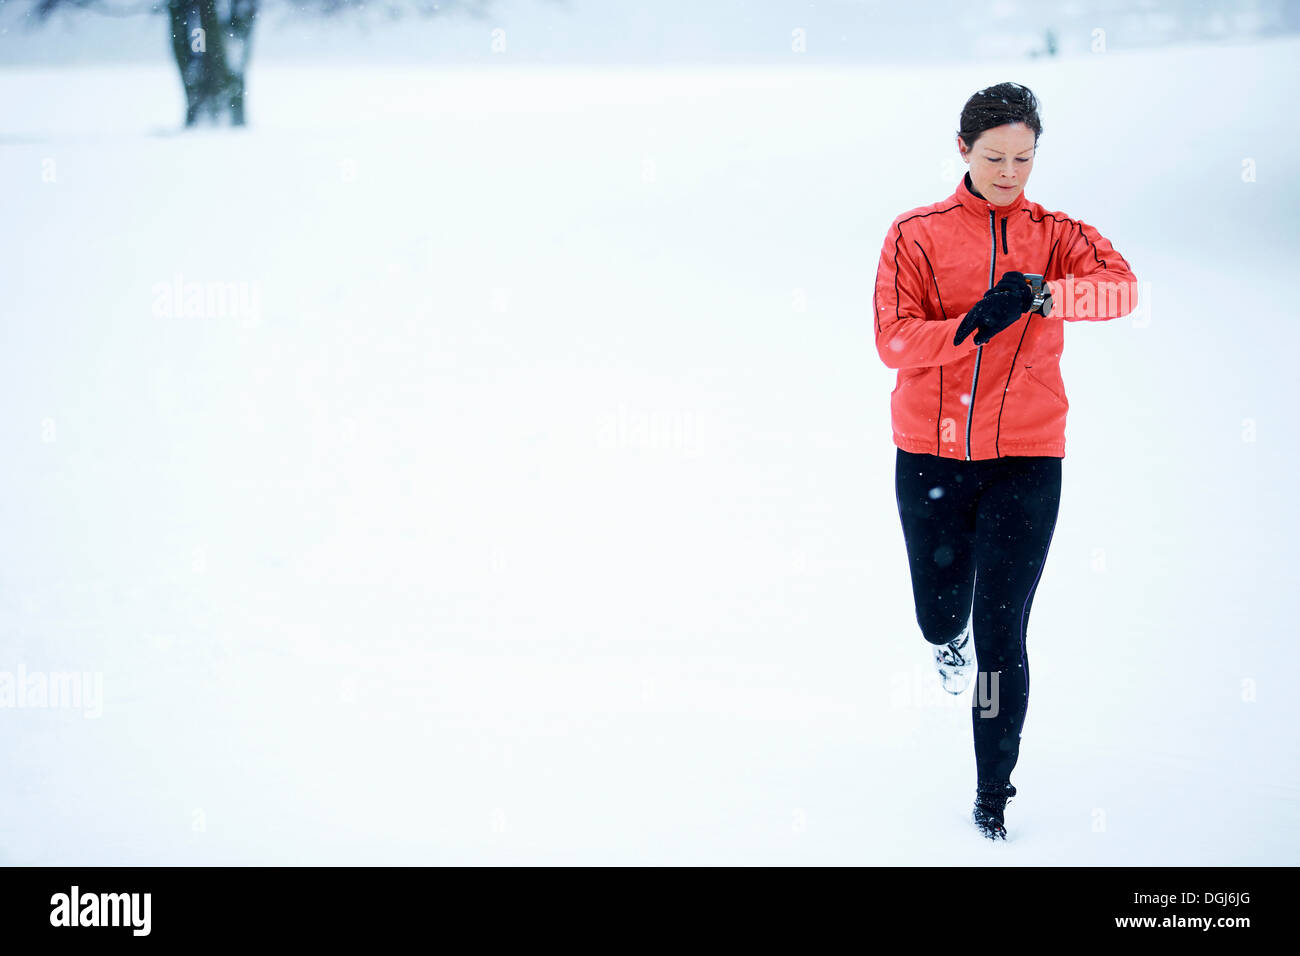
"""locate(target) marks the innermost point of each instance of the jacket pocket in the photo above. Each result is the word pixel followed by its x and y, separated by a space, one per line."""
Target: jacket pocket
pixel 1053 385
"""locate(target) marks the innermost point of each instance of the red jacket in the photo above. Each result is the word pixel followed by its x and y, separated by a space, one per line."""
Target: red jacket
pixel 1004 397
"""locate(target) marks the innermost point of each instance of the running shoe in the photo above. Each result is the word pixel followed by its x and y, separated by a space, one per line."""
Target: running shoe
pixel 955 661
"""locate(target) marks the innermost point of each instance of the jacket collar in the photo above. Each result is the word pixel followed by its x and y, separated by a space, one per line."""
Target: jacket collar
pixel 981 207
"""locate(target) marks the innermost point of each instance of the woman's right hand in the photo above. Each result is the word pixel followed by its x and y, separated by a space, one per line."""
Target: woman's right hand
pixel 1000 307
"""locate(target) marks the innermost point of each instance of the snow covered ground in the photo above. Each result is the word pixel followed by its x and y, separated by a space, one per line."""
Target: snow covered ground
pixel 537 506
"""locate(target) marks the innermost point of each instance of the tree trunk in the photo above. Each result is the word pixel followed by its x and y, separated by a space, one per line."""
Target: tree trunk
pixel 212 55
pixel 243 13
pixel 187 61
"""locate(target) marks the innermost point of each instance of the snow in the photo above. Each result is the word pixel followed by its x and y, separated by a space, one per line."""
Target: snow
pixel 542 509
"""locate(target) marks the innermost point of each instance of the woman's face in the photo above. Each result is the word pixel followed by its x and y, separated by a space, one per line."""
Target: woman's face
pixel 1000 161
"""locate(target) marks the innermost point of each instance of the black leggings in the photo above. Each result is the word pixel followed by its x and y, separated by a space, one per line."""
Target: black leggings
pixel 981 529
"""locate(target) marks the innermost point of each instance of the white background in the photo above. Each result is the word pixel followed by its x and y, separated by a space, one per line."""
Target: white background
pixel 544 510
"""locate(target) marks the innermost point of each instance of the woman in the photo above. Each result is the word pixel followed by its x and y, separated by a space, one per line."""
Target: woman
pixel 979 409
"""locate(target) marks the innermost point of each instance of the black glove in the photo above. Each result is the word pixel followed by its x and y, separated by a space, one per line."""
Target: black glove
pixel 1001 306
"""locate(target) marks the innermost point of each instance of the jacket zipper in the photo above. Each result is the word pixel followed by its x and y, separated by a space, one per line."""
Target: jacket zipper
pixel 979 350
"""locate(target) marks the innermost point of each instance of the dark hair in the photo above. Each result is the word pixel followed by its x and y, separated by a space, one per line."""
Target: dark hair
pixel 997 106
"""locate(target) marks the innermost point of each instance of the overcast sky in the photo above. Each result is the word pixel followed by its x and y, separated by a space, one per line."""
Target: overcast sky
pixel 668 31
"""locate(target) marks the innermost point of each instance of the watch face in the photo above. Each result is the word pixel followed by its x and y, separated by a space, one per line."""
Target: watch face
pixel 1047 305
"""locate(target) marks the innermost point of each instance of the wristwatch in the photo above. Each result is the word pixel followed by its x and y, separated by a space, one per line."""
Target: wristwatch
pixel 1042 304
